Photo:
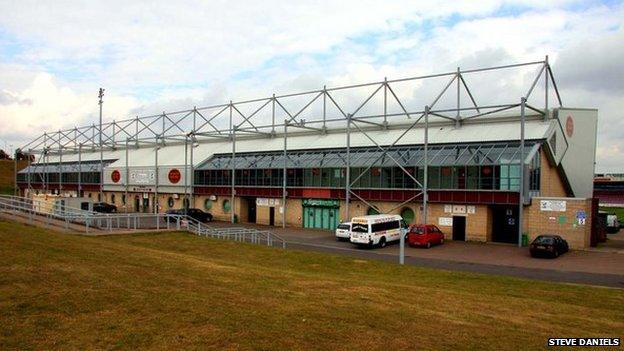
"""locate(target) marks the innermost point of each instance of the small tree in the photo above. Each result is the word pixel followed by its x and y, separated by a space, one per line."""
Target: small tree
pixel 4 155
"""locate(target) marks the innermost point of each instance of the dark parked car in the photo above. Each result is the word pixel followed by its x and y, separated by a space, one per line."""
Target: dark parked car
pixel 548 245
pixel 194 213
pixel 103 207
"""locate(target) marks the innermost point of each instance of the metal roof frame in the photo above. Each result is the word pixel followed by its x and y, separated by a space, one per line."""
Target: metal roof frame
pixel 200 122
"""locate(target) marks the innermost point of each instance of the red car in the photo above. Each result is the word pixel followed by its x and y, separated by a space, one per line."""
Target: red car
pixel 424 235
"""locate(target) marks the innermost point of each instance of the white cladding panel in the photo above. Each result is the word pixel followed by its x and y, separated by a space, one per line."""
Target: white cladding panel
pixel 580 127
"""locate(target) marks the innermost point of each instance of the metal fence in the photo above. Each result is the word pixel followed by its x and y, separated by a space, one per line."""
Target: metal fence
pixel 57 215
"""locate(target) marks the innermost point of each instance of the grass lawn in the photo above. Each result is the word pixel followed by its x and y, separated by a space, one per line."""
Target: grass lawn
pixel 177 291
pixel 6 190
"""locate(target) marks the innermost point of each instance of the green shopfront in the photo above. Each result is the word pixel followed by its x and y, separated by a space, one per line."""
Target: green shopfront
pixel 320 213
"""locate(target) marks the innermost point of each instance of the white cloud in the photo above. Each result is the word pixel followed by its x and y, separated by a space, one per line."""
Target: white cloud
pixel 155 56
pixel 46 106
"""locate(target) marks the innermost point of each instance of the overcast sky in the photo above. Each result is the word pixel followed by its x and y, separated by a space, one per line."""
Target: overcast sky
pixel 156 56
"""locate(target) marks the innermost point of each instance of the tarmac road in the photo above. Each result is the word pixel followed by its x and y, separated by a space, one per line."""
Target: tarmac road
pixel 601 279
pixel 579 267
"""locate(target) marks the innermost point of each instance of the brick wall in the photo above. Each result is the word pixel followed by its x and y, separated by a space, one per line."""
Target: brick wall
pixel 478 225
pixel 217 207
pixel 565 223
pixel 550 180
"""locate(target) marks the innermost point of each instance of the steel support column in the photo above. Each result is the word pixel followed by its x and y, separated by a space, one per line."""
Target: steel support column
pixel 546 68
pixel 60 163
pixel 273 115
pixel 186 199
pixel 79 170
pixel 45 163
pixel 101 102
pixel 15 187
pixel 47 175
pixel 458 117
pixel 194 144
pixel 233 174
pixel 385 102
pixel 324 107
pixel 426 168
pixel 284 176
pixel 29 164
pixel 127 176
pixel 348 171
pixel 155 204
pixel 521 187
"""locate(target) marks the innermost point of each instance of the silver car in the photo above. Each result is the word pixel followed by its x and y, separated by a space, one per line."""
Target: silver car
pixel 343 232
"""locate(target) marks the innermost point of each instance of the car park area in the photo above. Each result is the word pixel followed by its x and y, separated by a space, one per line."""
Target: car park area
pixel 593 267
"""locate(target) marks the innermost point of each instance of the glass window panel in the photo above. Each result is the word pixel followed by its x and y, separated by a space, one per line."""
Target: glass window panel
pixel 472 177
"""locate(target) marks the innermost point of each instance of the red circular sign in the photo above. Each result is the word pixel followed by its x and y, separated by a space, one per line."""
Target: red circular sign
pixel 569 126
pixel 115 176
pixel 174 176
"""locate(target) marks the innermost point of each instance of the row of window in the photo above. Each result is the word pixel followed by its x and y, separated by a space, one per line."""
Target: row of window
pixel 51 178
pixel 501 177
pixel 504 177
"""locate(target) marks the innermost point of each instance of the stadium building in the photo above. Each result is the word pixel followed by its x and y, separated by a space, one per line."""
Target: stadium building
pixel 430 148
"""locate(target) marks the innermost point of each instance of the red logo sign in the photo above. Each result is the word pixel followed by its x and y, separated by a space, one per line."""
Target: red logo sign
pixel 174 176
pixel 569 126
pixel 115 176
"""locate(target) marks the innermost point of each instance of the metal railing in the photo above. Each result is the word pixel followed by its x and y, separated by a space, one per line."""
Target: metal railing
pixel 54 214
pixel 240 234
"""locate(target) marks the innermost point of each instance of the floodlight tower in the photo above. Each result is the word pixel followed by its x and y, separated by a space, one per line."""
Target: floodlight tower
pixel 100 96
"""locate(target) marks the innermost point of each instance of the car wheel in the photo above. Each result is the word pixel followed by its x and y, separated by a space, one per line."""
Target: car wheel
pixel 428 245
pixel 382 242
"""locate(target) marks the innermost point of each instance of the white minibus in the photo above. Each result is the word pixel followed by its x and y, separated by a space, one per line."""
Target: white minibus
pixel 377 230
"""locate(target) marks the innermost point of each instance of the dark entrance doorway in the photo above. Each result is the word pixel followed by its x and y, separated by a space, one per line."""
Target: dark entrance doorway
pixel 145 204
pixel 271 215
pixel 137 204
pixel 251 210
pixel 505 224
pixel 459 228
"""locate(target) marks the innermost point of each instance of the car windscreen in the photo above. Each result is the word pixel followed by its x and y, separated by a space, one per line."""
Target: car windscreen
pixel 344 227
pixel 544 240
pixel 360 228
pixel 418 230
